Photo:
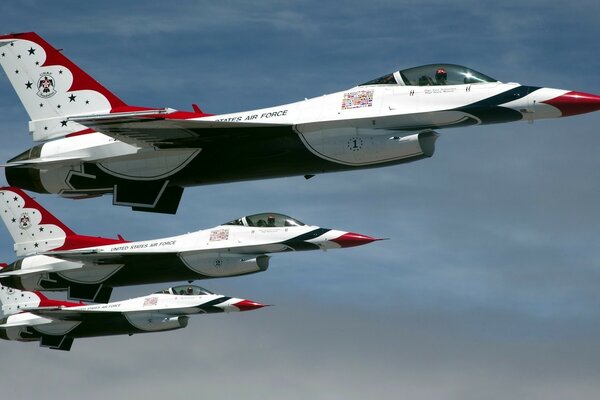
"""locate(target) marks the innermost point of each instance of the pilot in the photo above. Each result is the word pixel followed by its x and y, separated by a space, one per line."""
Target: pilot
pixel 440 76
pixel 271 221
pixel 190 291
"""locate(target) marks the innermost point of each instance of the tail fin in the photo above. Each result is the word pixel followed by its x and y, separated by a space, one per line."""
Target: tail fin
pixel 50 86
pixel 13 301
pixel 35 230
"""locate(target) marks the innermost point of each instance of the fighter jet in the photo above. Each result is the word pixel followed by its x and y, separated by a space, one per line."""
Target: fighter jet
pixel 94 143
pixel 55 258
pixel 31 316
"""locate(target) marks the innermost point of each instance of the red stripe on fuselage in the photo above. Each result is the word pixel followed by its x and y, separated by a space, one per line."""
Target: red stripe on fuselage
pixel 46 302
pixel 82 132
pixel 75 241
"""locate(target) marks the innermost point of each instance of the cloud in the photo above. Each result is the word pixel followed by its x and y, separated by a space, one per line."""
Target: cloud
pixel 298 352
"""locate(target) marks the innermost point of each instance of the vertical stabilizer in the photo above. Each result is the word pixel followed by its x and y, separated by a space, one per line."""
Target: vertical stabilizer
pixel 33 228
pixel 50 86
pixel 14 301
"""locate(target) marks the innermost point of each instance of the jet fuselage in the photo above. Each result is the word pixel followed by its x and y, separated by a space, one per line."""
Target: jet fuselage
pixel 94 143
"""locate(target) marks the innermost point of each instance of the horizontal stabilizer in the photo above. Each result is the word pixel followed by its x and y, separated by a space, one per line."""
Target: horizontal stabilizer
pixel 39 264
pixel 26 323
pixel 42 269
pixel 21 272
pixel 41 162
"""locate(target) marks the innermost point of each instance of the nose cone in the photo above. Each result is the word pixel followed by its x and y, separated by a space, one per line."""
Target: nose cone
pixel 247 305
pixel 351 239
pixel 574 103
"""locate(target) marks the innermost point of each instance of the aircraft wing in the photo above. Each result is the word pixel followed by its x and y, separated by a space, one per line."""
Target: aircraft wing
pixel 67 314
pixel 96 258
pixel 144 320
pixel 42 162
pixel 113 258
pixel 159 130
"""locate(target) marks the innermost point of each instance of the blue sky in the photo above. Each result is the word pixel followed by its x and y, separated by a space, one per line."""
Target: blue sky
pixel 488 285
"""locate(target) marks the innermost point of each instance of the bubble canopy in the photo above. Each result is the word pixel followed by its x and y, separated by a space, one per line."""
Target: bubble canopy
pixel 272 220
pixel 433 75
pixel 186 290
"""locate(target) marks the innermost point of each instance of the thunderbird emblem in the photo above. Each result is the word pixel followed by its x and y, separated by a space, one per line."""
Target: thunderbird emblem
pixel 46 86
pixel 24 222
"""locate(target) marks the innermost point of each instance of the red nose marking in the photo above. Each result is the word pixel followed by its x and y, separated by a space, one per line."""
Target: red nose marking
pixel 352 239
pixel 247 305
pixel 574 103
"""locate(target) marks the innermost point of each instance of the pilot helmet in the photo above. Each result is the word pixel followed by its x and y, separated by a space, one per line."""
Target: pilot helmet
pixel 440 74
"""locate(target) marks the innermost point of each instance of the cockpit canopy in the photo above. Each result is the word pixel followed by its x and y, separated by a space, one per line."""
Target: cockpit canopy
pixel 271 220
pixel 186 290
pixel 432 75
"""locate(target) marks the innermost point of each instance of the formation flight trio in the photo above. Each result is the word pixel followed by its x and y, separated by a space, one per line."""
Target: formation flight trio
pixel 92 143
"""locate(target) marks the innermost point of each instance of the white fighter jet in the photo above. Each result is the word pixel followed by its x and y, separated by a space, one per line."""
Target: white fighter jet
pixel 31 316
pixel 56 258
pixel 94 143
